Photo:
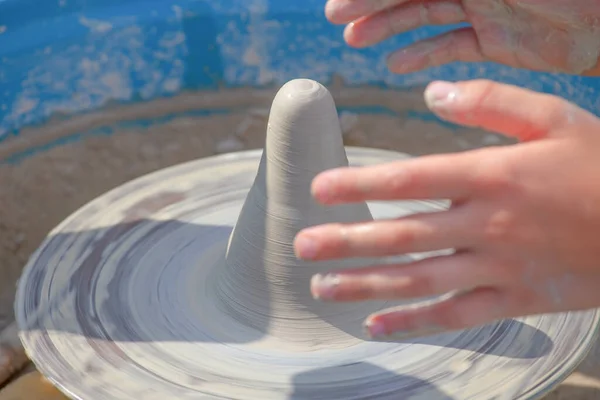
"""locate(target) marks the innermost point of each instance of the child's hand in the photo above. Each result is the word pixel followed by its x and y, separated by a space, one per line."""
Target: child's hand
pixel 546 35
pixel 525 219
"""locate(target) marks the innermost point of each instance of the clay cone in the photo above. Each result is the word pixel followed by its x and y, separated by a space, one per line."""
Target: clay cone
pixel 262 283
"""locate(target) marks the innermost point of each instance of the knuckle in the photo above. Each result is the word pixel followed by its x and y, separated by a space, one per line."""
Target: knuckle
pixel 481 91
pixel 560 112
pixel 419 286
pixel 502 271
pixel 363 291
pixel 401 238
pixel 440 12
pixel 449 317
pixel 500 226
pixel 523 300
pixel 333 239
pixel 493 177
pixel 341 234
pixel 398 179
pixel 556 106
pixel 425 15
pixel 474 95
pixel 555 114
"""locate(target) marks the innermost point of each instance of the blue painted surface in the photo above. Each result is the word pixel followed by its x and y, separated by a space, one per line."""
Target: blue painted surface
pixel 64 56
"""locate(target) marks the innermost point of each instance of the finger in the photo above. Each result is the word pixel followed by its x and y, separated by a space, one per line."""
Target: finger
pixel 345 11
pixel 457 45
pixel 403 18
pixel 443 176
pixel 428 277
pixel 505 109
pixel 416 233
pixel 467 310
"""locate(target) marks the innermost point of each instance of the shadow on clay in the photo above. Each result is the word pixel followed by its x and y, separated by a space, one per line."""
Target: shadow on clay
pixel 528 342
pixel 81 289
pixel 361 381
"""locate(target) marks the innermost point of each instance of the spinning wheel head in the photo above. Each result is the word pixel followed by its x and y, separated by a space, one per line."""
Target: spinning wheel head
pixel 183 284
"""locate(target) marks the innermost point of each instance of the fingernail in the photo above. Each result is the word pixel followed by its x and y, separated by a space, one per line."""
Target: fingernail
pixel 375 329
pixel 334 9
pixel 323 287
pixel 350 37
pixel 331 7
pixel 341 10
pixel 306 247
pixel 440 94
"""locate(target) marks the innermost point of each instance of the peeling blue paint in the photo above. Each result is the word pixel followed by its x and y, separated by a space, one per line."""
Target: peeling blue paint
pixel 67 56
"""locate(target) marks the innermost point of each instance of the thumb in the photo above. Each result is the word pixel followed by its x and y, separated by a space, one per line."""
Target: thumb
pixel 500 108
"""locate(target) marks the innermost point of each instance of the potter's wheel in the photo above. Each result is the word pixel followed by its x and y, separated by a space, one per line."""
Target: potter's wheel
pixel 132 297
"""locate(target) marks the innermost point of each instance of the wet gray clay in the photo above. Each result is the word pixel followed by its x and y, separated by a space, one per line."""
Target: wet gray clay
pixel 261 273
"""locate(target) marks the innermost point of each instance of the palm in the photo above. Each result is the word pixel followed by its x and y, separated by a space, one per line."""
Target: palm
pixel 535 34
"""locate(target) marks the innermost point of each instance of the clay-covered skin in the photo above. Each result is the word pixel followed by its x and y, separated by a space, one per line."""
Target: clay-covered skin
pixel 543 35
pixel 145 293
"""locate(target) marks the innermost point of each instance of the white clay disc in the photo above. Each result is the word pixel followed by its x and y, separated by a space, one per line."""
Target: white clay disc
pixel 118 303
